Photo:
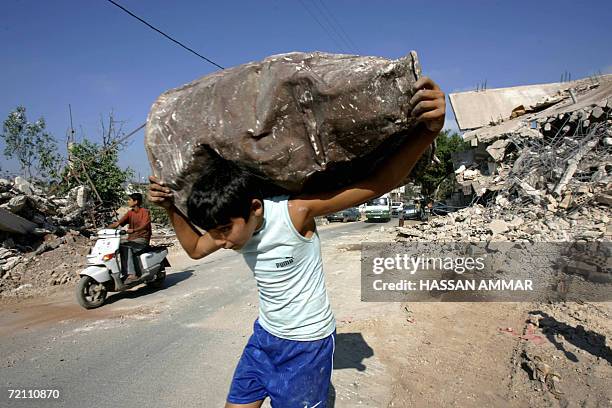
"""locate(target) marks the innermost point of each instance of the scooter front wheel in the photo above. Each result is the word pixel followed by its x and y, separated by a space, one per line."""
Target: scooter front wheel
pixel 90 293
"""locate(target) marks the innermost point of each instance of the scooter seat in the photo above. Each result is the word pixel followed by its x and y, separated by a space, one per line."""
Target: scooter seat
pixel 156 248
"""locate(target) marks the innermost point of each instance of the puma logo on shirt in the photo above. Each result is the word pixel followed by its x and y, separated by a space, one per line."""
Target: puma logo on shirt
pixel 289 261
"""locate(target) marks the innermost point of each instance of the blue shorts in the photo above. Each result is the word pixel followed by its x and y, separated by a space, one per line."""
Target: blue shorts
pixel 292 373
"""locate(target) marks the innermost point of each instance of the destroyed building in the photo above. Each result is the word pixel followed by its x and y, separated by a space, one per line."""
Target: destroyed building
pixel 33 221
pixel 539 166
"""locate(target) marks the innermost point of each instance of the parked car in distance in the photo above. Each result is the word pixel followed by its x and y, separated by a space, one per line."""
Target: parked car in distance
pixel 350 214
pixel 440 208
pixel 379 209
pixel 396 208
pixel 410 212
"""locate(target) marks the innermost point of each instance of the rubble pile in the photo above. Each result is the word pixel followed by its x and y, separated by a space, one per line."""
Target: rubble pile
pixel 54 262
pixel 529 223
pixel 51 214
pixel 547 176
pixel 32 223
pixel 163 236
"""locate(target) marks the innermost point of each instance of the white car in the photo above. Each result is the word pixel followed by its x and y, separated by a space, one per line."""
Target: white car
pixel 396 208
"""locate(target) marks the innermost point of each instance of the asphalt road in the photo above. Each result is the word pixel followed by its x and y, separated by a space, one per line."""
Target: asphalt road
pixel 176 347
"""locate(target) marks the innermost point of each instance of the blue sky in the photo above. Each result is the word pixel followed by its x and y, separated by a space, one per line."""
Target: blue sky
pixel 95 57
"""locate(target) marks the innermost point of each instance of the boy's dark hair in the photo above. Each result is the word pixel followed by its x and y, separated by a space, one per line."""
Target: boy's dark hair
pixel 136 197
pixel 223 191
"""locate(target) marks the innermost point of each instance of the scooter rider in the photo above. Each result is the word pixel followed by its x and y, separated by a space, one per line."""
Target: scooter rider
pixel 139 234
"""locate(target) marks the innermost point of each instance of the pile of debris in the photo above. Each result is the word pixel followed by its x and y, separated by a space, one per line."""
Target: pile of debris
pixel 56 261
pixel 544 173
pixel 50 214
pixel 163 235
pixel 527 223
pixel 31 223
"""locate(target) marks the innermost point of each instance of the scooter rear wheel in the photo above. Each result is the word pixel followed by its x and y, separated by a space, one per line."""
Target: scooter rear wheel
pixel 90 293
pixel 159 282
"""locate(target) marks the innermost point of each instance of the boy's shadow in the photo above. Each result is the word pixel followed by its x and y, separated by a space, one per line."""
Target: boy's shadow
pixel 351 349
pixel 587 340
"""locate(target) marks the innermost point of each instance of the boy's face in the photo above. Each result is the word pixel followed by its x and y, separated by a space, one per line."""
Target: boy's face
pixel 237 233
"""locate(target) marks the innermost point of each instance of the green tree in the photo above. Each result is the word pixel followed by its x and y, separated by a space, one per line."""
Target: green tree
pixel 30 144
pixel 436 174
pixel 92 164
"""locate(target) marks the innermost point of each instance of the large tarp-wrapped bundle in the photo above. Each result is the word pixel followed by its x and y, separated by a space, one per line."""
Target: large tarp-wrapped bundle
pixel 306 121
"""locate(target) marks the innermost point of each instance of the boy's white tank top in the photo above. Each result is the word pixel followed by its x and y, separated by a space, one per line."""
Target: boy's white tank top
pixel 288 268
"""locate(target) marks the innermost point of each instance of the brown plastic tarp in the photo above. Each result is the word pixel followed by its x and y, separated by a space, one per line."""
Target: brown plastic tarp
pixel 307 121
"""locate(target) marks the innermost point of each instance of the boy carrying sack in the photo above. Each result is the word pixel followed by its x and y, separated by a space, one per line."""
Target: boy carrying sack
pixel 289 356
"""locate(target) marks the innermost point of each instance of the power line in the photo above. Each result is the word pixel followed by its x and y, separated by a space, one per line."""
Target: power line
pixel 322 26
pixel 346 36
pixel 164 34
pixel 332 25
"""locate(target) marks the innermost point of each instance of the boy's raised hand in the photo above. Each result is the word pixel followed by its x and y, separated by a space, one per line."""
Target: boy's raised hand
pixel 429 104
pixel 160 194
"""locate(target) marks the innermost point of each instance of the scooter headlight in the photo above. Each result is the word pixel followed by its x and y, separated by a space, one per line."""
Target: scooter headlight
pixel 108 257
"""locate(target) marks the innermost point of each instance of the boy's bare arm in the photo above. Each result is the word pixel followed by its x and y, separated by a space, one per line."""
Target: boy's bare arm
pixel 196 244
pixel 429 109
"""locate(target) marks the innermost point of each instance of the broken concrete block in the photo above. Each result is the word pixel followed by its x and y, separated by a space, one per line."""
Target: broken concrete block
pixel 566 201
pixel 81 196
pixel 471 174
pixel 306 121
pixel 498 226
pixel 502 201
pixel 23 185
pixel 583 189
pixel 516 222
pixel 11 263
pixel 16 204
pixel 43 205
pixel 497 150
pixel 5 253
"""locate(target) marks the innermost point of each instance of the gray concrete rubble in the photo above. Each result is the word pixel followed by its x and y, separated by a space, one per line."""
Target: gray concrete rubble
pixel 543 172
pixel 33 221
pixel 306 121
pixel 47 211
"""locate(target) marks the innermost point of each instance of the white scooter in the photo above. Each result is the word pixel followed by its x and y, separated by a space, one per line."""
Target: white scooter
pixel 103 271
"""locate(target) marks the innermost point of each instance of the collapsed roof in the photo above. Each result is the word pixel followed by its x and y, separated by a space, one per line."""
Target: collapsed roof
pixel 555 152
pixel 489 114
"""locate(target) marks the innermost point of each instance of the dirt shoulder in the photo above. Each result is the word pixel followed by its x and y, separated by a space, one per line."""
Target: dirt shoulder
pixel 464 354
